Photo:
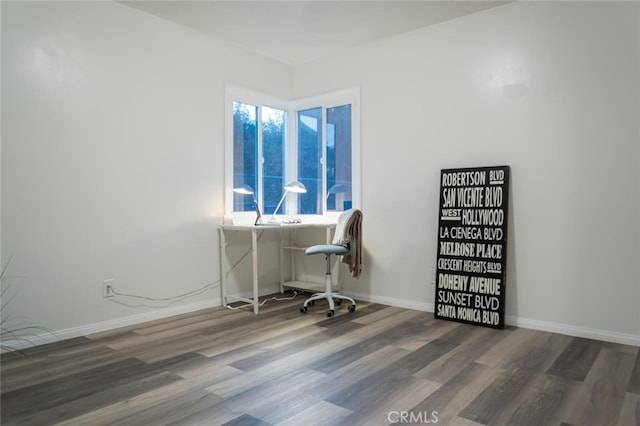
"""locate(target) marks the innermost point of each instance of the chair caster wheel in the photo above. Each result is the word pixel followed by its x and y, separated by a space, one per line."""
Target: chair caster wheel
pixel 338 302
pixel 303 310
pixel 330 313
pixel 352 308
pixel 311 303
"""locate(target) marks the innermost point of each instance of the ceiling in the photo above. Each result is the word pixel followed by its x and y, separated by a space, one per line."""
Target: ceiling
pixel 296 32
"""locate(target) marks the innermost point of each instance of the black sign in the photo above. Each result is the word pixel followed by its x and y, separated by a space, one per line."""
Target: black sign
pixel 472 245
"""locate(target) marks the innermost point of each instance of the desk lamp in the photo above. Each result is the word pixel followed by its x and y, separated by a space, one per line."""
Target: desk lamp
pixel 293 186
pixel 247 190
pixel 336 189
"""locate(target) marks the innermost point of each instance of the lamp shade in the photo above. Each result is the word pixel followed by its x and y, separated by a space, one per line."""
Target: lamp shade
pixel 244 189
pixel 336 189
pixel 295 186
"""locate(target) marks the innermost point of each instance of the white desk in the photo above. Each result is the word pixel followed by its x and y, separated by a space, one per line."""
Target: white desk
pixel 285 244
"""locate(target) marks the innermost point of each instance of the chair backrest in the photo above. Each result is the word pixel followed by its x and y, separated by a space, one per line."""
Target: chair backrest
pixel 341 236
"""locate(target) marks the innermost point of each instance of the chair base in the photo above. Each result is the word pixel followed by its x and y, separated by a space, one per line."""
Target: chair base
pixel 334 299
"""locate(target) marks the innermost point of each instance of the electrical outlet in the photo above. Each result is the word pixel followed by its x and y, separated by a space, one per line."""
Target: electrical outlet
pixel 107 288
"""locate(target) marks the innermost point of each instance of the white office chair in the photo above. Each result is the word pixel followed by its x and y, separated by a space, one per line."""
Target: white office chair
pixel 346 241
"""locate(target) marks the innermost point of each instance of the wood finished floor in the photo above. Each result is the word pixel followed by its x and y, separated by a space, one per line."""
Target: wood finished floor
pixel 232 367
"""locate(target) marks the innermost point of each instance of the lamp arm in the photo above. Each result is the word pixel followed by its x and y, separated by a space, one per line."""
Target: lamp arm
pixel 259 217
pixel 278 206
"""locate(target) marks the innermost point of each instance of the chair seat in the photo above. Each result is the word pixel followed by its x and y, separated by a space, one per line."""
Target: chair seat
pixel 327 249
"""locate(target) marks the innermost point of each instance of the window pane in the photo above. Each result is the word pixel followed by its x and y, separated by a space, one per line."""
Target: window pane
pixel 339 195
pixel 245 153
pixel 309 153
pixel 273 144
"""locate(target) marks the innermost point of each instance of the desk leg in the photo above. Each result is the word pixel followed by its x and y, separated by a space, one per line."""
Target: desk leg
pixel 335 276
pixel 254 254
pixel 281 261
pixel 223 272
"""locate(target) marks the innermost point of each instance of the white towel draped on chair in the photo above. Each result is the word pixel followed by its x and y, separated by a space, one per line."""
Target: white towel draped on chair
pixel 349 231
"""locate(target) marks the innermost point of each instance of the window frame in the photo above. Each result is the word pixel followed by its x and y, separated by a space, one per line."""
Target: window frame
pixel 328 100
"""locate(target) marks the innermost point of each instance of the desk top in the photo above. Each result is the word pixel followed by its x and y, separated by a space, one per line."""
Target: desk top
pixel 276 226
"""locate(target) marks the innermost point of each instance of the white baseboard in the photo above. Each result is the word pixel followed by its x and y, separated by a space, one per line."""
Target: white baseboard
pixel 392 301
pixel 85 330
pixel 69 333
pixel 575 331
pixel 569 330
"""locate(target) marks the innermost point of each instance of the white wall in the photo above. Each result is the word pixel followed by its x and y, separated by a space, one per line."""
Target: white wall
pixel 112 142
pixel 551 89
pixel 112 158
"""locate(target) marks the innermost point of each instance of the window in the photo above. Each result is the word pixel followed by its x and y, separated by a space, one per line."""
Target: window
pixel 245 153
pixel 250 137
pixel 320 149
pixel 309 159
pixel 325 163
